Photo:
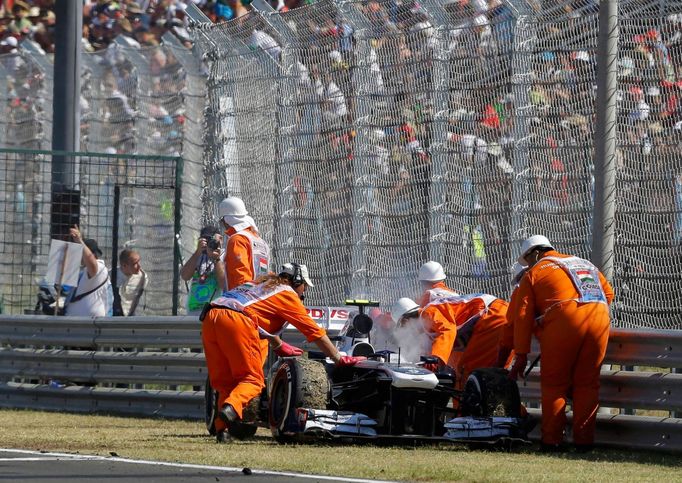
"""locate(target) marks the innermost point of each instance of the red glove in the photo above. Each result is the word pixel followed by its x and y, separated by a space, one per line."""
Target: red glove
pixel 431 366
pixel 350 360
pixel 287 350
pixel 519 366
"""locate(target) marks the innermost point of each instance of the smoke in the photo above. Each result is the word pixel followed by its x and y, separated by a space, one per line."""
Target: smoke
pixel 412 340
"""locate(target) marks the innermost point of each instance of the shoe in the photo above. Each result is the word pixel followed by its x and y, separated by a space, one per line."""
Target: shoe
pixel 584 448
pixel 222 437
pixel 228 414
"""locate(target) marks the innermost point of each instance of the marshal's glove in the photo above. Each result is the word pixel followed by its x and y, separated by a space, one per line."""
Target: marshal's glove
pixel 350 360
pixel 287 350
pixel 431 366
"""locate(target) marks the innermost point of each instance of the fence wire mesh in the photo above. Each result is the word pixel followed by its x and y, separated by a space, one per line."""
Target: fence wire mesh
pixel 367 137
pixel 45 193
pixel 375 135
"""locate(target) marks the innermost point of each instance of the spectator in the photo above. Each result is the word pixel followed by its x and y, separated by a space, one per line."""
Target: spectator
pixel 131 283
pixel 90 298
pixel 204 270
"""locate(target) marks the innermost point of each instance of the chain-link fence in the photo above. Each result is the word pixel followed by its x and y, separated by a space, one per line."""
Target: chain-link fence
pixel 370 136
pixel 120 201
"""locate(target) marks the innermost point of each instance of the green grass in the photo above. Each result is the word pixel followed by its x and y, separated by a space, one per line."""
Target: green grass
pixel 188 442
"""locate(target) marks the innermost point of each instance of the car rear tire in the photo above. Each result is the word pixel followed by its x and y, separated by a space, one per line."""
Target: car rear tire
pixel 297 383
pixel 489 392
pixel 211 402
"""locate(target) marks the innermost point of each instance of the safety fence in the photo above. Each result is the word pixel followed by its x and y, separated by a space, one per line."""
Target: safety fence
pixel 129 366
pixel 369 137
pixel 120 201
pixel 134 102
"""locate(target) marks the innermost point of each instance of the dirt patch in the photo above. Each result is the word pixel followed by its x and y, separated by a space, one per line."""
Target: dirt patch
pixel 314 384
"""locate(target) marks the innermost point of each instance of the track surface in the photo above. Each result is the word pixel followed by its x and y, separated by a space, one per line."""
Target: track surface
pixel 36 467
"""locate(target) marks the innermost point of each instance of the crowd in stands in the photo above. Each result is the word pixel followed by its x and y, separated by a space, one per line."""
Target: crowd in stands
pixel 145 21
pixel 397 96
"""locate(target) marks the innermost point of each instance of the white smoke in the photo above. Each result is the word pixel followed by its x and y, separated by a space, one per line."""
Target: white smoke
pixel 412 340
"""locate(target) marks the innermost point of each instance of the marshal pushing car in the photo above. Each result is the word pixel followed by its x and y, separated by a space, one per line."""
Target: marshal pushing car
pixel 381 397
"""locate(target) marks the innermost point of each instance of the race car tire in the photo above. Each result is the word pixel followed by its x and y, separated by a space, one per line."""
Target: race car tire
pixel 489 392
pixel 210 402
pixel 297 383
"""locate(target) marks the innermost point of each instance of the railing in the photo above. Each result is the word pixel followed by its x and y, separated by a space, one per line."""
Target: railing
pixel 133 355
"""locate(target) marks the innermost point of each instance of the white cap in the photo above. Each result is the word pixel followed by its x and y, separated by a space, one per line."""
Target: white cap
pixel 301 276
pixel 232 206
pixel 530 243
pixel 431 272
pixel 517 272
pixel 404 306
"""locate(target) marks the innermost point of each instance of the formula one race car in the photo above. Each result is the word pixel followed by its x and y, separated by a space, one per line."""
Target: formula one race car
pixel 382 397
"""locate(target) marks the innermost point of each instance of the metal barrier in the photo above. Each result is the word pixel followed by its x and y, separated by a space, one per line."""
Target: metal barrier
pixel 37 350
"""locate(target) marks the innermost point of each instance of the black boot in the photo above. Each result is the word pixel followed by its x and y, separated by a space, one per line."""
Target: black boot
pixel 222 437
pixel 228 414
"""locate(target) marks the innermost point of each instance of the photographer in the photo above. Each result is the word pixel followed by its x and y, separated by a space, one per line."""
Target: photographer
pixel 90 297
pixel 204 271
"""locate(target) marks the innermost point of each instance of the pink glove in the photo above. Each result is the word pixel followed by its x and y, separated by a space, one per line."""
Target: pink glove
pixel 350 360
pixel 519 366
pixel 287 350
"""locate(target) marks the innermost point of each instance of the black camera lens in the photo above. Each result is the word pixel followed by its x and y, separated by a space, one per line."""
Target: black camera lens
pixel 213 244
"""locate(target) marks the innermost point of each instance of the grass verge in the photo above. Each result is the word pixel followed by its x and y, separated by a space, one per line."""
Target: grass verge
pixel 188 442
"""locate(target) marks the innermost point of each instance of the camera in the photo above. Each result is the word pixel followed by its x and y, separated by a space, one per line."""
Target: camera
pixel 212 243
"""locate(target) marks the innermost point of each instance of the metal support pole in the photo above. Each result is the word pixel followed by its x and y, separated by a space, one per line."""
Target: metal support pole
pixel 525 39
pixel 177 218
pixel 288 129
pixel 67 85
pixel 603 235
pixel 440 93
pixel 66 116
pixel 360 279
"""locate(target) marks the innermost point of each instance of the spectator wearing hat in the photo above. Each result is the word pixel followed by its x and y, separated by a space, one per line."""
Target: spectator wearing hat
pixel 91 296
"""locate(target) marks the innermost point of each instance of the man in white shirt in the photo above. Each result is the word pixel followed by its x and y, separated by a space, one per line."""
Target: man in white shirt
pixel 90 296
pixel 131 283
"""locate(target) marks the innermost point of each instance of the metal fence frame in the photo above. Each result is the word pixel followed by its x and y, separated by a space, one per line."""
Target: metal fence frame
pixel 33 191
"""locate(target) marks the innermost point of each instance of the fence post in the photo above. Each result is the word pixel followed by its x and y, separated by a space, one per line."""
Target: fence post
pixel 214 167
pixel 286 120
pixel 359 282
pixel 525 37
pixel 177 224
pixel 603 234
pixel 440 98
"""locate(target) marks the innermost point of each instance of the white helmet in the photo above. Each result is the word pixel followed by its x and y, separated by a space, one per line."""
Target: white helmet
pixel 431 272
pixel 232 206
pixel 517 272
pixel 404 306
pixel 298 273
pixel 530 243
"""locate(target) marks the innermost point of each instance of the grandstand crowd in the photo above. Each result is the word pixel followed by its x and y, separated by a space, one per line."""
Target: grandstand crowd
pixel 145 21
pixel 480 124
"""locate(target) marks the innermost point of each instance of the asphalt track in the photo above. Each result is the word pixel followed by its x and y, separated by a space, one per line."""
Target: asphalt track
pixel 38 467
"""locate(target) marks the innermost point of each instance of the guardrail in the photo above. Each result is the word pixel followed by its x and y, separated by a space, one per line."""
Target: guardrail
pixel 148 360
